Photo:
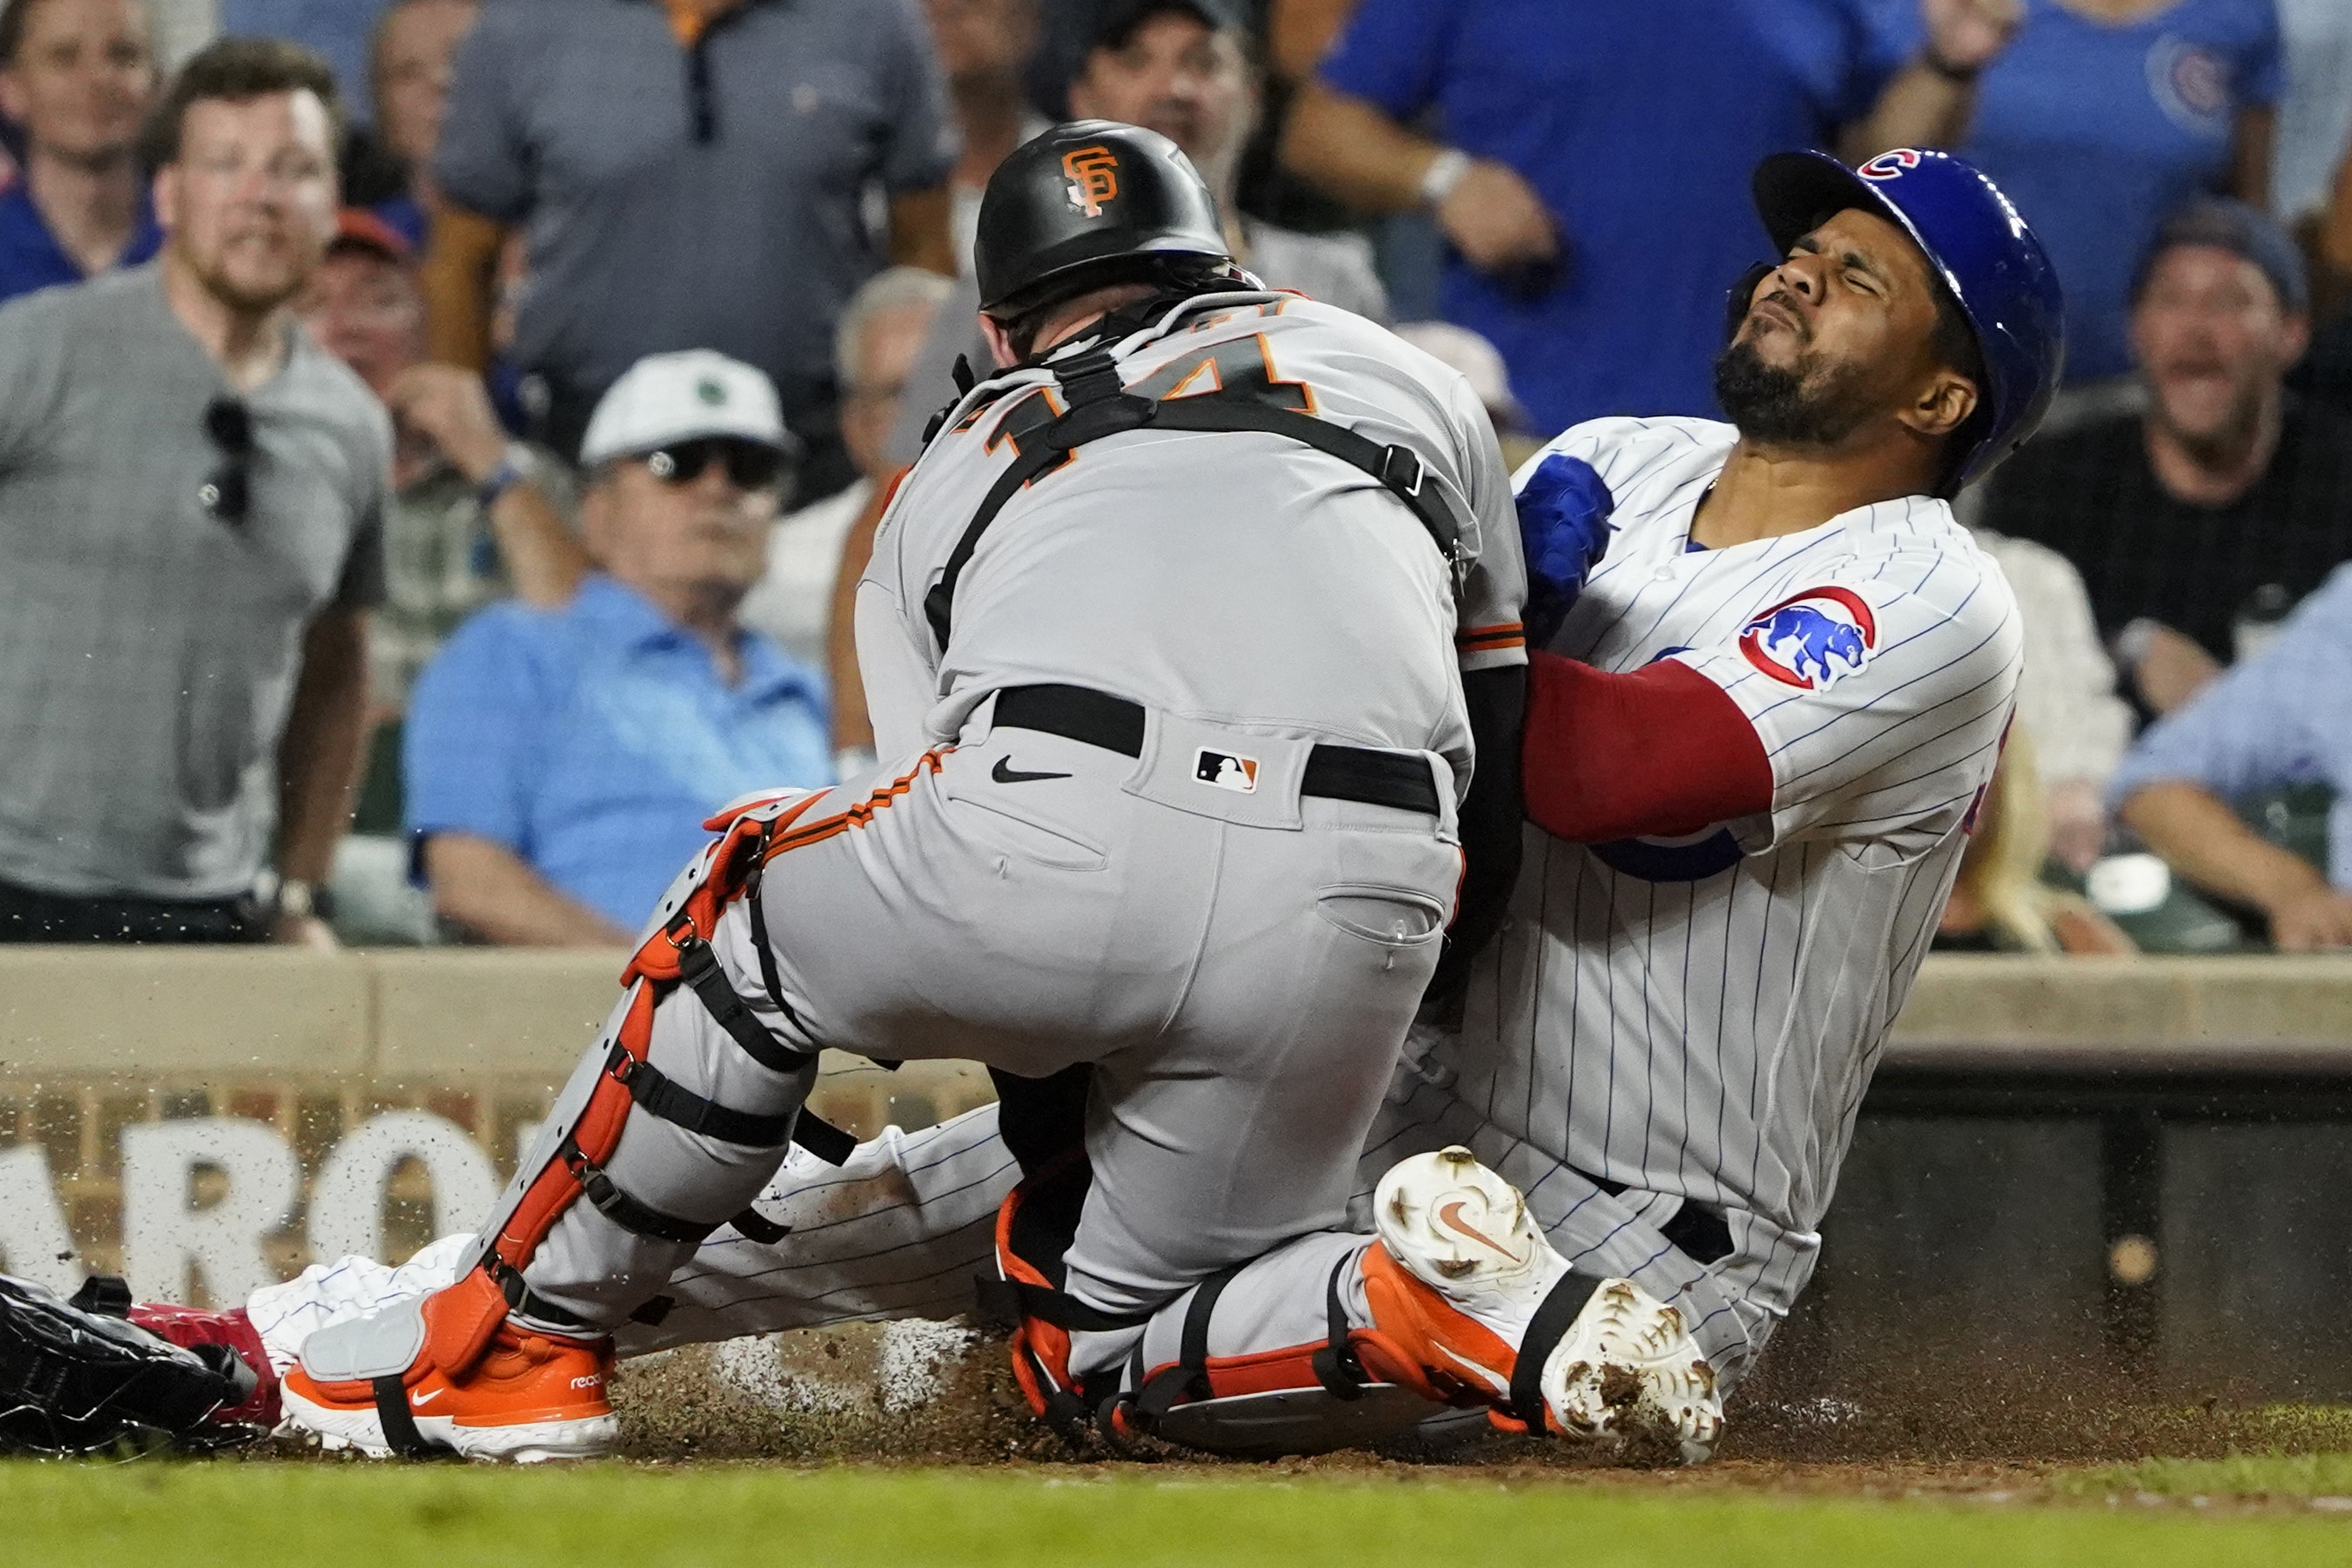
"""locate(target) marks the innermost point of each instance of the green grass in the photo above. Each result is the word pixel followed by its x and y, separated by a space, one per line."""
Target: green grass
pixel 2244 1477
pixel 154 1515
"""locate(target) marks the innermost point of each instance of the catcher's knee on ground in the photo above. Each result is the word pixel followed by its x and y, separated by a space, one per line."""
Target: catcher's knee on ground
pixel 1338 1341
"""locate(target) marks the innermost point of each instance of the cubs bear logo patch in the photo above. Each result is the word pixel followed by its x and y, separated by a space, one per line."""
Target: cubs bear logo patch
pixel 1094 178
pixel 1812 640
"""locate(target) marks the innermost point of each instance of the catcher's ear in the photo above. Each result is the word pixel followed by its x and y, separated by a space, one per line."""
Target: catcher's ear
pixel 999 346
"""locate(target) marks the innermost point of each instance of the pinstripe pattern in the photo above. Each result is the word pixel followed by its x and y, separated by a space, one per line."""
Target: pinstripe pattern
pixel 1710 1039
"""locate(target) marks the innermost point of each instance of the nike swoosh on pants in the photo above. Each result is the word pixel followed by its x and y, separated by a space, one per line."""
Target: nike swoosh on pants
pixel 1005 773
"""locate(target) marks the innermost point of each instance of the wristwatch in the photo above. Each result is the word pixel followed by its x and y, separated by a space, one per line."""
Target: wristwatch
pixel 1445 172
pixel 517 465
pixel 300 900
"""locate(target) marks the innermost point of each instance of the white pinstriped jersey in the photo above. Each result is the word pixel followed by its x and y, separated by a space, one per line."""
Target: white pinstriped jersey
pixel 1699 1018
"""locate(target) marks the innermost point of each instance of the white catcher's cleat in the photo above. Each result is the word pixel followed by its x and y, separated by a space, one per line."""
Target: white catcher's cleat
pixel 1626 1366
pixel 1466 1232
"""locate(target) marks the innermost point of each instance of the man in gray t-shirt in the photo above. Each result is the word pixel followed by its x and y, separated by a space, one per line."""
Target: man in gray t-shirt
pixel 689 175
pixel 191 502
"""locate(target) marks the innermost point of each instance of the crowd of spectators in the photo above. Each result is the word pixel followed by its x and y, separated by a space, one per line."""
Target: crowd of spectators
pixel 495 399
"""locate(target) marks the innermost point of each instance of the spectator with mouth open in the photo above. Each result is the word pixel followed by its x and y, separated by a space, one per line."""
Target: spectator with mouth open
pixel 2198 524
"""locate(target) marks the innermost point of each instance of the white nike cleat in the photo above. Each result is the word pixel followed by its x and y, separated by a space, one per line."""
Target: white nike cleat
pixel 1626 1367
pixel 1466 1232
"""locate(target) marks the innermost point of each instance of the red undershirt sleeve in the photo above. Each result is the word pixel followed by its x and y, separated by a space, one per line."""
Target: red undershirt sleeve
pixel 1660 752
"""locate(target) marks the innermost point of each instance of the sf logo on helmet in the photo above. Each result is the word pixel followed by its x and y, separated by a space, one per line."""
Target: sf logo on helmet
pixel 1094 178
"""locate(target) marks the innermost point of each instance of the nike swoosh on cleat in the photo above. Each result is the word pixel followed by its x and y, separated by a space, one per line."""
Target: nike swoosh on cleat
pixel 1449 1214
pixel 1003 773
pixel 419 1401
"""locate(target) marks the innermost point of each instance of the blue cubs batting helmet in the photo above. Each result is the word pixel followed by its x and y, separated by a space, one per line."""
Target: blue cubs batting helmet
pixel 1977 245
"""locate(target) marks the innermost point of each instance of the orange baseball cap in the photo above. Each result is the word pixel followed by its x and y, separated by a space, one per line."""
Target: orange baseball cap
pixel 359 228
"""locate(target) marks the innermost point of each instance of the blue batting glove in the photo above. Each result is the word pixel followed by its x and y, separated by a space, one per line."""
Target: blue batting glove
pixel 1564 509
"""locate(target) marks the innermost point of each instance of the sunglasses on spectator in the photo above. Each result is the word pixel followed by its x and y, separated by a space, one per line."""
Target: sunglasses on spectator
pixel 228 494
pixel 751 465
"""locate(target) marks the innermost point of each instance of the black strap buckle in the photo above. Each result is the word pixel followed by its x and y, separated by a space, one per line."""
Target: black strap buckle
pixel 624 1211
pixel 1401 470
pixel 1091 376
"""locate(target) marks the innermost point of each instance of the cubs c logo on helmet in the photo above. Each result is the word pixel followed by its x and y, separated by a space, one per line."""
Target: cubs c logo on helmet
pixel 1094 178
pixel 1890 165
pixel 1812 639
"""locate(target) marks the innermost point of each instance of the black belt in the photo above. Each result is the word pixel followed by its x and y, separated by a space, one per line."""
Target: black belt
pixel 1115 723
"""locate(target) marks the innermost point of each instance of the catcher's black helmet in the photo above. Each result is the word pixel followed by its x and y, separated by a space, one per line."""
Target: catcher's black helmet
pixel 1081 196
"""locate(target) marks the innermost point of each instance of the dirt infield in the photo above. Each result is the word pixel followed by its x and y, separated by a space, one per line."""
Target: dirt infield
pixel 863 1393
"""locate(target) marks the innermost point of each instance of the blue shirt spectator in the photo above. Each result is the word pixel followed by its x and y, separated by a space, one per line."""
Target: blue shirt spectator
pixel 591 740
pixel 77 81
pixel 1636 122
pixel 2098 131
pixel 560 761
pixel 2281 717
pixel 31 258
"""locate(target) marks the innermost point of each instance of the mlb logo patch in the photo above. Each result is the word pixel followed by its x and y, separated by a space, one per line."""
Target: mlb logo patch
pixel 1224 770
pixel 1812 640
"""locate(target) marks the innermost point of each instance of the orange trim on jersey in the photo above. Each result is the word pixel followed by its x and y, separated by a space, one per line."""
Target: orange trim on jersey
pixel 860 814
pixel 1482 639
pixel 1273 377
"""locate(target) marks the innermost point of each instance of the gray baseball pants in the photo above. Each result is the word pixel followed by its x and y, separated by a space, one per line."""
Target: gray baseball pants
pixel 1239 968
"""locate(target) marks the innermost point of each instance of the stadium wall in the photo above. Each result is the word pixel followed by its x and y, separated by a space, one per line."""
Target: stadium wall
pixel 2139 1167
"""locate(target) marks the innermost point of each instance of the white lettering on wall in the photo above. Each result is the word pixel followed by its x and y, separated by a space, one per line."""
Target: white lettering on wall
pixel 347 1198
pixel 34 1241
pixel 163 1232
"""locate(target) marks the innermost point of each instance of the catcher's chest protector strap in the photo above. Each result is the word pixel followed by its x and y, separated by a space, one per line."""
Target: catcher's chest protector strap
pixel 1099 404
